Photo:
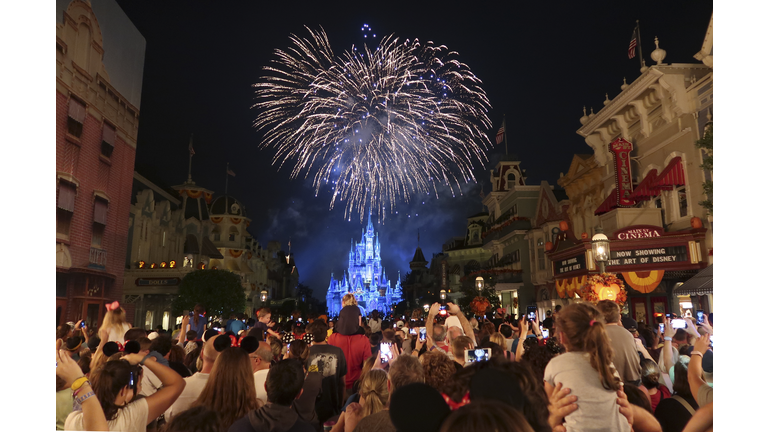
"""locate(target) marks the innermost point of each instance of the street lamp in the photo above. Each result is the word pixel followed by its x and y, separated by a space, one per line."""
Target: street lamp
pixel 426 308
pixel 442 295
pixel 264 296
pixel 479 283
pixel 601 248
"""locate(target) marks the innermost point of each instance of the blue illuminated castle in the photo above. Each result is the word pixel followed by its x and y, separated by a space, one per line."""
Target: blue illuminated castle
pixel 365 278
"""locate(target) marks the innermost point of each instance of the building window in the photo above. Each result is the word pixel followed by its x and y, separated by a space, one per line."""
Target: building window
pixel 75 118
pixel 516 256
pixel 682 201
pixel 542 264
pixel 216 233
pixel 65 206
pixel 233 232
pixel 659 204
pixel 107 140
pixel 98 235
pixel 63 220
pixel 539 241
pixel 513 210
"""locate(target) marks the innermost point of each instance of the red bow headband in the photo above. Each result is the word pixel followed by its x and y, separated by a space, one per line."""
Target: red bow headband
pixel 112 306
pixel 235 342
pixel 456 405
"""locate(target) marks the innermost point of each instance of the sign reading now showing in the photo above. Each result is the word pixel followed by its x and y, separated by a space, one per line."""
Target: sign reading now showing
pixel 570 264
pixel 648 256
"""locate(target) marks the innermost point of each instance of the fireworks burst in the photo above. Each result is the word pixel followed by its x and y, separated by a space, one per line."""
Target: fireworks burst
pixel 376 125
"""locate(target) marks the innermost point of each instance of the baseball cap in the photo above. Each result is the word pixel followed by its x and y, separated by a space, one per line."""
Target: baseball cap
pixel 628 323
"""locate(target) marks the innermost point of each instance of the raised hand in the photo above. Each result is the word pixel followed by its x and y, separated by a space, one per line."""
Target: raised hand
pixel 560 405
pixel 66 368
pixel 624 407
pixel 453 309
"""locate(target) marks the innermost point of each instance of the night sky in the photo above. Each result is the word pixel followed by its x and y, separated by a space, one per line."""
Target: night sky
pixel 540 63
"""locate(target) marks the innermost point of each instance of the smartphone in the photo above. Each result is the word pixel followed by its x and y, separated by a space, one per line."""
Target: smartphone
pixel 532 313
pixel 669 315
pixel 217 329
pixel 82 324
pixel 414 330
pixel 699 316
pixel 545 333
pixel 385 352
pixel 423 333
pixel 661 328
pixel 710 340
pixel 299 319
pixel 476 354
pixel 679 323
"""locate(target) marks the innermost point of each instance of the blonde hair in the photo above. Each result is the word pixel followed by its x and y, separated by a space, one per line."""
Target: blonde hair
pixel 348 300
pixel 374 389
pixel 499 340
pixel 114 319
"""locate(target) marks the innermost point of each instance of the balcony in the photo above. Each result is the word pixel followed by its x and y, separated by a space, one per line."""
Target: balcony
pixel 499 231
pixel 97 258
pixel 619 218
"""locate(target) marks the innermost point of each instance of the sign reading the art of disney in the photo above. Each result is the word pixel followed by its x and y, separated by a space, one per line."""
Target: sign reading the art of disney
pixel 621 149
pixel 651 255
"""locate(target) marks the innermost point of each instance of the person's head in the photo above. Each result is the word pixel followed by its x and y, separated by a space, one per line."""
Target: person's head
pixel 405 370
pixel 162 344
pixel 489 328
pixel 400 333
pixel 499 340
pixel 580 329
pixel 438 369
pixel 191 335
pixel 388 335
pixel 537 358
pixel 284 382
pixel 454 332
pixel 681 337
pixel 506 331
pixel 649 373
pixel 375 339
pixel 145 344
pixel 264 315
pixel 114 318
pixel 176 354
pixel 610 310
pixel 486 415
pixel 331 324
pixel 190 360
pixel 557 308
pixel 135 334
pixel 680 384
pixel 635 396
pixel 375 314
pixel 229 390
pixel 438 333
pixel 299 350
pixel 111 384
pixel 458 346
pixel 195 419
pixel 262 357
pixel 85 363
pixel 373 392
pixel 209 354
pixel 549 313
pixel 63 331
pixel 348 300
pixel 318 330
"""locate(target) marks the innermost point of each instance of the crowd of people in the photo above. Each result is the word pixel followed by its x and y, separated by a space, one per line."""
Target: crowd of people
pixel 595 371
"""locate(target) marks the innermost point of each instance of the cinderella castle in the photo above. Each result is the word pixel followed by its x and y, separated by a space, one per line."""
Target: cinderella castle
pixel 366 278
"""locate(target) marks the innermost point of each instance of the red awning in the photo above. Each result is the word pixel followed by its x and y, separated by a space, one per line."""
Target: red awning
pixel 672 175
pixel 609 204
pixel 76 111
pixel 100 212
pixel 108 134
pixel 644 190
pixel 66 197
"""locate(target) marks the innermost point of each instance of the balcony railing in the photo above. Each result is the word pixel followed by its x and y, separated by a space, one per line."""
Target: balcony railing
pixel 97 257
pixel 499 231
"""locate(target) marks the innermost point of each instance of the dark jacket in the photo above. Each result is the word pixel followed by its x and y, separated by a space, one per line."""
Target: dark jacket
pixel 271 418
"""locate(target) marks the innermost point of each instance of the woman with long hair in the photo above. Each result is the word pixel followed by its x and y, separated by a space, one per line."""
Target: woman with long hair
pixel 650 376
pixel 114 322
pixel 674 412
pixel 374 396
pixel 116 385
pixel 587 369
pixel 230 390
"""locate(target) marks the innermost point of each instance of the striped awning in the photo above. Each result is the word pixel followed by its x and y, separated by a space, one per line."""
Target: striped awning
pixel 108 134
pixel 700 284
pixel 210 250
pixel 672 176
pixel 100 211
pixel 76 111
pixel 66 199
pixel 611 202
pixel 644 191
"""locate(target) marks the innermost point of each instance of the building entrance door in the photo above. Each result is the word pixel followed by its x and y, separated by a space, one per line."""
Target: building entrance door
pixel 61 309
pixel 93 313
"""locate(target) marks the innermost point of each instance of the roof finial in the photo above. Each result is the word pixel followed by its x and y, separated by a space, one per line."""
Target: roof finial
pixel 585 118
pixel 658 54
pixel 591 112
pixel 624 86
pixel 606 101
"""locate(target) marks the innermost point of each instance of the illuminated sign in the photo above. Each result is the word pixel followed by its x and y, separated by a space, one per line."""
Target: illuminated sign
pixel 621 149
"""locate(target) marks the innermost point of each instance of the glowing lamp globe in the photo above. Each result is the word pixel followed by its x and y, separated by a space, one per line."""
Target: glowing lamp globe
pixel 601 248
pixel 264 295
pixel 479 283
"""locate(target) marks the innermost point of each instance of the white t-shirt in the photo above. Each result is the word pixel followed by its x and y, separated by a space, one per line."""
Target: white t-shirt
pixel 192 390
pixel 598 410
pixel 260 377
pixel 117 334
pixel 375 325
pixel 509 344
pixel 150 383
pixel 132 418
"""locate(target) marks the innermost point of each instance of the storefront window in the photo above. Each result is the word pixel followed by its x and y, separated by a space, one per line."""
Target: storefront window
pixel 148 319
pixel 542 264
pixel 659 204
pixel 682 202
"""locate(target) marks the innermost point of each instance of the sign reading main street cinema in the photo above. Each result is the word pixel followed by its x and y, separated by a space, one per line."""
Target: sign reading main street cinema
pixel 650 256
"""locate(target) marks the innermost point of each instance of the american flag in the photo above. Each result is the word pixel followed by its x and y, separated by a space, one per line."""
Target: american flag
pixel 500 134
pixel 230 172
pixel 633 44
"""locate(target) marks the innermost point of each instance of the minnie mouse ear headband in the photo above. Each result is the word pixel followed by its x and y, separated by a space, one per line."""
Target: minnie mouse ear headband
pixel 112 306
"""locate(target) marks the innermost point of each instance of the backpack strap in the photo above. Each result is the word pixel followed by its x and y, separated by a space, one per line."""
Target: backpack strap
pixel 685 404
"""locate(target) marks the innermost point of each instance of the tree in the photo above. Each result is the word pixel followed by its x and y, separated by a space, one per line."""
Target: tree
pixel 219 291
pixel 705 143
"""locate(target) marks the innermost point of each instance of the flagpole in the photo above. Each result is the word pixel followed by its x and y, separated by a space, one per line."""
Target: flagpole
pixel 226 180
pixel 504 125
pixel 189 177
pixel 640 45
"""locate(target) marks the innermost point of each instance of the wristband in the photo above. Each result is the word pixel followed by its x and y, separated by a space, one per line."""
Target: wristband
pixel 84 397
pixel 693 353
pixel 667 338
pixel 79 382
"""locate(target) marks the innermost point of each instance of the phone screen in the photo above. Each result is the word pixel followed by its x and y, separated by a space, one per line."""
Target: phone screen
pixel 414 331
pixel 710 340
pixel 678 323
pixel 545 333
pixel 385 352
pixel 661 328
pixel 699 317
pixel 423 333
pixel 82 324
pixel 531 313
pixel 476 354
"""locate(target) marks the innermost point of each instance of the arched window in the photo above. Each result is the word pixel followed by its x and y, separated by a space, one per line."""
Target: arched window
pixel 233 233
pixel 216 233
pixel 83 46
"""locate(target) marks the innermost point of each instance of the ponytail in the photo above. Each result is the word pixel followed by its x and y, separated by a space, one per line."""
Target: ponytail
pixel 597 344
pixel 582 325
pixel 374 389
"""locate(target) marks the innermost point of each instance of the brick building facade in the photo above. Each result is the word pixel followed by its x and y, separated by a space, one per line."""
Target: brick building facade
pixel 96 129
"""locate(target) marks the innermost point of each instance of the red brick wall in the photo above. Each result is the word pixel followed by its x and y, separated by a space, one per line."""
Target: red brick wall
pixel 93 173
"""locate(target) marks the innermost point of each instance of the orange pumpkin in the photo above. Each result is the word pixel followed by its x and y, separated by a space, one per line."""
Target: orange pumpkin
pixel 608 292
pixel 584 236
pixel 563 226
pixel 548 246
pixel 696 222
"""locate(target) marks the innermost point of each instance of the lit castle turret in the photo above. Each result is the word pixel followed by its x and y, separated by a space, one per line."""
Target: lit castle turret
pixel 365 278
